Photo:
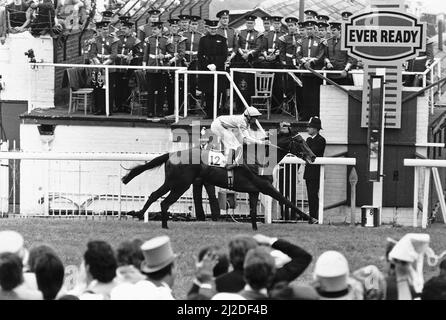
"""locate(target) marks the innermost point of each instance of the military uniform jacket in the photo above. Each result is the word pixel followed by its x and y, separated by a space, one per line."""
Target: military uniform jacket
pixel 288 46
pixel 212 50
pixel 249 42
pixel 145 31
pixel 153 47
pixel 104 46
pixel 270 42
pixel 192 42
pixel 128 45
pixel 312 47
pixel 317 145
pixel 337 57
pixel 231 38
pixel 176 46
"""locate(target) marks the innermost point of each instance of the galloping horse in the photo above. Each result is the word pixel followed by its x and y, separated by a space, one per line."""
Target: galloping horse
pixel 180 176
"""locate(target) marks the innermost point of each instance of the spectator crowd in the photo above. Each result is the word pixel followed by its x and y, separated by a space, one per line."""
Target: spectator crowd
pixel 251 268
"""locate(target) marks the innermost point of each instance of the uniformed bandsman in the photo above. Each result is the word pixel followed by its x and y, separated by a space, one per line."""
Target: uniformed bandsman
pixel 176 44
pixel 103 51
pixel 322 32
pixel 193 37
pixel 155 53
pixel 310 15
pixel 302 31
pixel 212 55
pixel 270 43
pixel 249 43
pixel 145 31
pixel 184 23
pixel 229 33
pixel 311 52
pixel 337 59
pixel 289 43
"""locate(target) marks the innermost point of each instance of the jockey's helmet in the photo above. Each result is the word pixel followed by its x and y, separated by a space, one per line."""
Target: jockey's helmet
pixel 252 112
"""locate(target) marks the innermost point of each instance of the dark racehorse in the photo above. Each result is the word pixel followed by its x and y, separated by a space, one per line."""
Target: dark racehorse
pixel 180 176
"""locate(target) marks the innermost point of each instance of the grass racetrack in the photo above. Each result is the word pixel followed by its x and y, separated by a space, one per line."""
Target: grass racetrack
pixel 361 246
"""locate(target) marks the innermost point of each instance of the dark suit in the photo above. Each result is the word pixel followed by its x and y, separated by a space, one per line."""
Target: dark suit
pixel 211 50
pixel 312 173
pixel 300 259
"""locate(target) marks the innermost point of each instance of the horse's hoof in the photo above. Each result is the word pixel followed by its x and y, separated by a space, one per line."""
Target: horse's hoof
pixel 165 227
pixel 125 180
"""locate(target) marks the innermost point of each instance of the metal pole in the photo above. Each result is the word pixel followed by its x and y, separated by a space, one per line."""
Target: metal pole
pixel 231 93
pixel 427 176
pixel 186 95
pixel 13 178
pixel 415 197
pixel 215 94
pixel 177 98
pixel 301 10
pixel 107 93
pixel 321 194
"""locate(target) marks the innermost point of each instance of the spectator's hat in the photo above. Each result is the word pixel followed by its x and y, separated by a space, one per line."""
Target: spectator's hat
pixel 173 22
pixel 335 25
pixel 332 273
pixel 158 254
pixel 310 14
pixel 158 24
pixel 184 17
pixel 222 13
pixel 310 23
pixel 323 18
pixel 212 23
pixel 346 14
pixel 322 24
pixel 11 241
pixel 250 17
pixel 195 18
pixel 107 15
pixel 277 18
pixel 315 122
pixel 291 20
pixel 154 12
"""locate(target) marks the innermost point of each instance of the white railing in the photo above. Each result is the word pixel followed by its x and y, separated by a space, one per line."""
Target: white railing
pixel 426 166
pixel 323 162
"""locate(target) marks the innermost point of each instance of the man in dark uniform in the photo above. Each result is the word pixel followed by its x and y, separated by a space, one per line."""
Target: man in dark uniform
pixel 129 51
pixel 192 40
pixel 249 44
pixel 183 24
pixel 212 55
pixel 145 30
pixel 155 53
pixel 311 53
pixel 312 172
pixel 337 59
pixel 288 45
pixel 323 26
pixel 103 51
pixel 231 40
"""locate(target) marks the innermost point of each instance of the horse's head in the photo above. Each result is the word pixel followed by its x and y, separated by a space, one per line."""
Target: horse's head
pixel 294 143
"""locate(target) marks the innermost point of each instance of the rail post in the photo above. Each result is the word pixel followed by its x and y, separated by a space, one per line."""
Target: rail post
pixel 107 92
pixel 321 194
pixel 353 179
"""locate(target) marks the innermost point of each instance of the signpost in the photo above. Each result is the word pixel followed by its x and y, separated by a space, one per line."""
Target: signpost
pixel 383 37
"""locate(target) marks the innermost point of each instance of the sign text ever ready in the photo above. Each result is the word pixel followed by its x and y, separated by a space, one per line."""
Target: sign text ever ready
pixel 382 37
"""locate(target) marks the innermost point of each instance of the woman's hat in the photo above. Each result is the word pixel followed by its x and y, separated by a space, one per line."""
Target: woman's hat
pixel 158 254
pixel 315 122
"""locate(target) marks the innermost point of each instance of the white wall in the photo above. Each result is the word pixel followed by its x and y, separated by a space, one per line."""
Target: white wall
pixel 21 82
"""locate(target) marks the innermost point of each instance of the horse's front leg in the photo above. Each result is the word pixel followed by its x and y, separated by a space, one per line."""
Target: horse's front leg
pixel 253 199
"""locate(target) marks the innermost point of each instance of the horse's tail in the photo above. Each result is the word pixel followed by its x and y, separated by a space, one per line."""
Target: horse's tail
pixel 136 171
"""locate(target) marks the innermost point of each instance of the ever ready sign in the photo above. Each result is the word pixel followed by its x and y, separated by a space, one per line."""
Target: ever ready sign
pixel 384 36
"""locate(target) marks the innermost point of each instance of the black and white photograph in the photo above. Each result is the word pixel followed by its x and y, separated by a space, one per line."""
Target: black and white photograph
pixel 210 152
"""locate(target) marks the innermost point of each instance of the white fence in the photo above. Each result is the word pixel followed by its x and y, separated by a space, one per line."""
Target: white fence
pixel 74 184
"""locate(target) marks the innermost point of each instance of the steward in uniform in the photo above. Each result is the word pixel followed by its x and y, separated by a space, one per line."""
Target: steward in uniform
pixel 155 53
pixel 249 45
pixel 191 55
pixel 130 51
pixel 311 53
pixel 212 55
pixel 176 46
pixel 337 59
pixel 103 51
pixel 312 172
pixel 323 26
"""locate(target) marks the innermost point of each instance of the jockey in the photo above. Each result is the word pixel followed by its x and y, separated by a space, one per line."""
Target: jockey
pixel 224 127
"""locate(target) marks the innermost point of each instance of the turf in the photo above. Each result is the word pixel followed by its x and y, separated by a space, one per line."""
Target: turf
pixel 361 246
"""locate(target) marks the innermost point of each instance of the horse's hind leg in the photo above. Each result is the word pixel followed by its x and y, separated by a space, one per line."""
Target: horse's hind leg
pixel 155 195
pixel 173 196
pixel 253 199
